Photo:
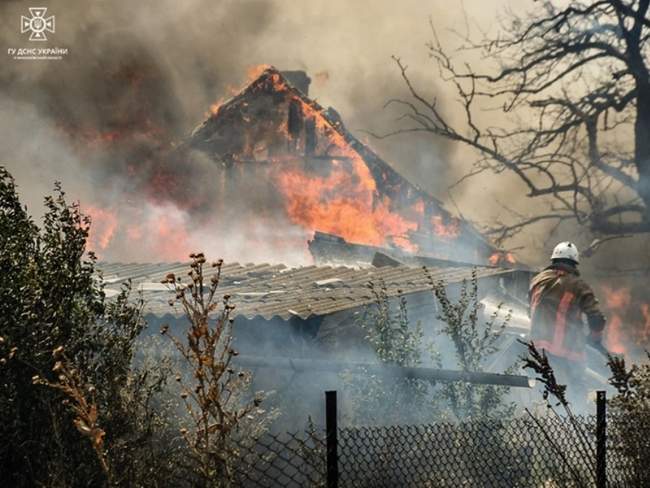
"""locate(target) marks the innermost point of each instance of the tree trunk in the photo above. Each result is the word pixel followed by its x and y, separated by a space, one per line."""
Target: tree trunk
pixel 642 143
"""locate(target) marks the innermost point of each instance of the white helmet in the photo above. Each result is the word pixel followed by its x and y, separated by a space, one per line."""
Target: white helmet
pixel 566 250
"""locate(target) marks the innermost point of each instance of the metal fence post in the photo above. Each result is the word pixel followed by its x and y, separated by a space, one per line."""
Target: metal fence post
pixel 601 439
pixel 331 440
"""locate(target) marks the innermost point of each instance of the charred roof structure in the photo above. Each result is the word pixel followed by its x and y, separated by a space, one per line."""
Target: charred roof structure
pixel 328 180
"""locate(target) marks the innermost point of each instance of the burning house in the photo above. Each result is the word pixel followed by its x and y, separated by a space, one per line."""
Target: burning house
pixel 289 158
pixel 324 179
pixel 294 162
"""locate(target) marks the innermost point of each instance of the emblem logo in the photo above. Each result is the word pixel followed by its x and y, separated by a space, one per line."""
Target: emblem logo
pixel 37 25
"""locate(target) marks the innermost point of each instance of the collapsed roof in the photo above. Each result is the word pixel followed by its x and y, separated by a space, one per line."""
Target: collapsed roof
pixel 329 180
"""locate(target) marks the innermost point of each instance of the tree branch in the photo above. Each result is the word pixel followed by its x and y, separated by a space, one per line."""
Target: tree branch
pixel 568 80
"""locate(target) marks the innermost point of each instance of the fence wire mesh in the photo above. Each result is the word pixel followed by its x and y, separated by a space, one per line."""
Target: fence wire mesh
pixel 283 460
pixel 522 452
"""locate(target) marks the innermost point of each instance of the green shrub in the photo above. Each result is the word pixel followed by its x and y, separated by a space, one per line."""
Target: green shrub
pixel 50 298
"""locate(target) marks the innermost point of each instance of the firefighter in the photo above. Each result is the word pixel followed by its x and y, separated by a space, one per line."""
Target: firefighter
pixel 559 299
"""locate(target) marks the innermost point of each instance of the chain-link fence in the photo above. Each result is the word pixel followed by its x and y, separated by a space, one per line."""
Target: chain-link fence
pixel 628 450
pixel 283 460
pixel 541 451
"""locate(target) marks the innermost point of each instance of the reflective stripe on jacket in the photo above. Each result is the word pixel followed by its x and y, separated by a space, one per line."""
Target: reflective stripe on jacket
pixel 558 298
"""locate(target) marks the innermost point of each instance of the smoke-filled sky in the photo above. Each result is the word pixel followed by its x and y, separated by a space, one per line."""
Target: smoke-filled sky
pixel 151 69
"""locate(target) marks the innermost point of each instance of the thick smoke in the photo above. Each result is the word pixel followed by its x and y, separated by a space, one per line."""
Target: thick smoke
pixel 139 77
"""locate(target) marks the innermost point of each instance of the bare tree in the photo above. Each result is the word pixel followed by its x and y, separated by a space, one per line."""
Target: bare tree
pixel 572 79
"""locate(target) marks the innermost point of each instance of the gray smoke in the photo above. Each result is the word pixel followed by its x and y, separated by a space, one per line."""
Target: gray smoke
pixel 139 77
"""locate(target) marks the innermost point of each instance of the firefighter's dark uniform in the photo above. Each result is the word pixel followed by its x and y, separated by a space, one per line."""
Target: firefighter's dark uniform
pixel 558 298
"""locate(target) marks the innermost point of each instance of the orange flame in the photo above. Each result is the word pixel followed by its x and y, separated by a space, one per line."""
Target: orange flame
pixel 629 320
pixel 343 204
pixel 171 238
pixel 159 231
pixel 502 258
pixel 103 224
pixel 252 73
pixel 346 201
pixel 617 301
pixel 214 108
pixel 446 231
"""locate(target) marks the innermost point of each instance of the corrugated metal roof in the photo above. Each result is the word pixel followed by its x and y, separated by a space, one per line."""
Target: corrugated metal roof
pixel 269 291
